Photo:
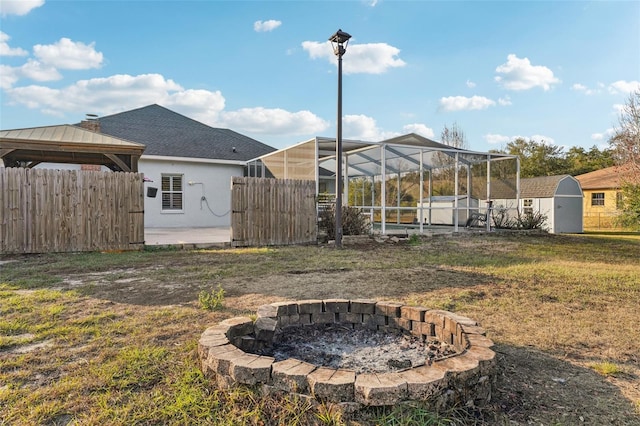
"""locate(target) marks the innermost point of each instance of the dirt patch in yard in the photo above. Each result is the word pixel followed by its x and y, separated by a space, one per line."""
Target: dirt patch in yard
pixel 135 286
pixel 544 375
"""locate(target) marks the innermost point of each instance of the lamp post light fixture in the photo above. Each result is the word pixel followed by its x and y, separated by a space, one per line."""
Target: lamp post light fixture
pixel 339 42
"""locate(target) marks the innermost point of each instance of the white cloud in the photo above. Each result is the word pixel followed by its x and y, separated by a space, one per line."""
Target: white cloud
pixel 470 84
pixel 370 58
pixel 364 128
pixel 67 54
pixel 8 76
pixel 201 105
pixel 265 26
pixel 462 103
pixel 373 3
pixel 99 95
pixel 31 69
pixel 580 88
pixel 506 101
pixel 64 54
pixel 584 89
pixel 495 139
pixel 543 139
pixel 361 127
pixel 6 50
pixel 622 86
pixel 603 136
pixel 420 129
pixel 618 108
pixel 39 72
pixel 274 121
pixel 18 7
pixel 519 74
pixel 118 93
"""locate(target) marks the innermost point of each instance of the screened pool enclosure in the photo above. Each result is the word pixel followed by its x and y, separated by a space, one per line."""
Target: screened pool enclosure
pixel 407 182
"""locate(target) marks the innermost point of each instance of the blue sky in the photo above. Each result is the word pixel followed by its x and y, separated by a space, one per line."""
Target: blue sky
pixel 557 71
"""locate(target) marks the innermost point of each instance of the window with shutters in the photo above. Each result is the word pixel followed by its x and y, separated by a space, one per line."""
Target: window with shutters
pixel 172 193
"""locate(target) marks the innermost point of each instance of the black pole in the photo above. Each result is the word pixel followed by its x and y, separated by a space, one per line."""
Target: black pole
pixel 339 41
pixel 339 183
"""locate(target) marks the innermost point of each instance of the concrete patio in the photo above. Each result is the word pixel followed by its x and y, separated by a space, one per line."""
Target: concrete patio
pixel 188 237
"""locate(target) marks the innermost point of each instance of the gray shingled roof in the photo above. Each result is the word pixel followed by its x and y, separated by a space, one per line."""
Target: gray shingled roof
pixel 540 187
pixel 167 133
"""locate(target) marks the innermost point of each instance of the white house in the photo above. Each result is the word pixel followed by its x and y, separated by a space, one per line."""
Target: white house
pixel 187 163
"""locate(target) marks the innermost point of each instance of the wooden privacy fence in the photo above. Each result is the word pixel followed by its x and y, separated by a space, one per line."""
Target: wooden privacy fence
pixel 45 210
pixel 272 211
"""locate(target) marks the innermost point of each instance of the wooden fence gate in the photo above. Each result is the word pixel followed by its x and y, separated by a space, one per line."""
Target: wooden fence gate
pixel 46 210
pixel 273 212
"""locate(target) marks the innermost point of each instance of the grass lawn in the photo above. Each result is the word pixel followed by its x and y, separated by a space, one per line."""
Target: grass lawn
pixel 111 338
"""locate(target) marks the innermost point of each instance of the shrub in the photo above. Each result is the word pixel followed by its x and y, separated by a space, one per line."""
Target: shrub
pixel 630 216
pixel 414 240
pixel 212 300
pixel 354 222
pixel 500 218
pixel 529 220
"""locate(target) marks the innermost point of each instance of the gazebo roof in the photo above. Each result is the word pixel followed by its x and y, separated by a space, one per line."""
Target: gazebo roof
pixel 67 144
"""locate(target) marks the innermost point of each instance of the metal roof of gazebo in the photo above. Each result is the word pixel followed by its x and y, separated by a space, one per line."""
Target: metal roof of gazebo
pixel 67 144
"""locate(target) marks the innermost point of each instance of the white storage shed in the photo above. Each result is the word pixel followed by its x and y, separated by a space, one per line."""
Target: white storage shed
pixel 558 197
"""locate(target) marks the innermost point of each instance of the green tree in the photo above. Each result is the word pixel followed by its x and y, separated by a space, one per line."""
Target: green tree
pixel 580 161
pixel 625 144
pixel 537 158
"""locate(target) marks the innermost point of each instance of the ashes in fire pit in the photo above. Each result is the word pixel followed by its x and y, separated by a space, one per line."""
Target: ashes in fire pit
pixel 360 350
pixel 354 351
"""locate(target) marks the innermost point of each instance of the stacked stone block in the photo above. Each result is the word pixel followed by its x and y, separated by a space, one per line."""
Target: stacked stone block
pixel 227 352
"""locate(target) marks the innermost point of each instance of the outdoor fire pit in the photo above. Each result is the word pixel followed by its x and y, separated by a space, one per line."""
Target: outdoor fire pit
pixel 354 351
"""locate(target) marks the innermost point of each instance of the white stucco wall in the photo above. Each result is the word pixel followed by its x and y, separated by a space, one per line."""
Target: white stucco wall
pixel 211 180
pixel 206 201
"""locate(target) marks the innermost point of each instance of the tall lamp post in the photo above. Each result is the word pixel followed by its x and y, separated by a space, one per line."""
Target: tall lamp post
pixel 339 42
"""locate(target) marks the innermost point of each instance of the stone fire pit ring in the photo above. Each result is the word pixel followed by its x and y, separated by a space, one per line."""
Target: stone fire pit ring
pixel 227 354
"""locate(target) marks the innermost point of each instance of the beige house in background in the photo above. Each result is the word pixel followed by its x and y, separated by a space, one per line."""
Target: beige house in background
pixel 602 197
